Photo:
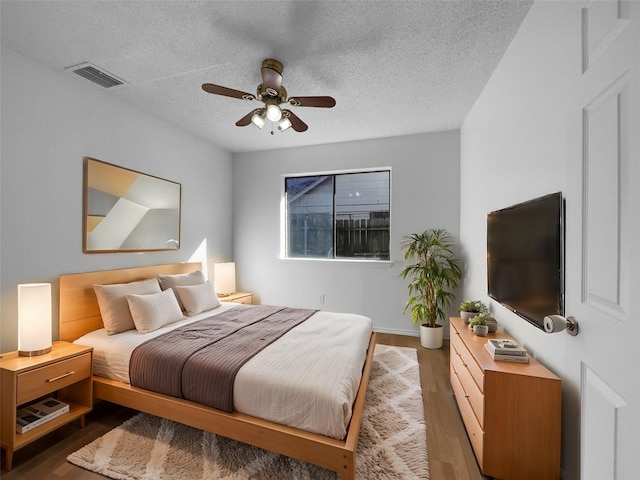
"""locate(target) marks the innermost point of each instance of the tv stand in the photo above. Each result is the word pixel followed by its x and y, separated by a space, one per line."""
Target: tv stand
pixel 511 411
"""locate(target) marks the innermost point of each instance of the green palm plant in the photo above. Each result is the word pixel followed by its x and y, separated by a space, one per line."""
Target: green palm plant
pixel 435 272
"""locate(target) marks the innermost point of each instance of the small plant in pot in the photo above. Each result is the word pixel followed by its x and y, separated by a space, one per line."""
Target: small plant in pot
pixel 479 325
pixel 471 308
pixel 486 320
pixel 434 272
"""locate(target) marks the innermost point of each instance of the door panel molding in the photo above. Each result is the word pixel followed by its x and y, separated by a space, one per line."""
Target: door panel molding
pixel 601 416
pixel 605 200
pixel 602 23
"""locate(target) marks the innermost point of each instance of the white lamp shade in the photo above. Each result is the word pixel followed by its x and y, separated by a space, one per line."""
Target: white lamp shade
pixel 34 318
pixel 274 113
pixel 284 124
pixel 224 277
pixel 258 120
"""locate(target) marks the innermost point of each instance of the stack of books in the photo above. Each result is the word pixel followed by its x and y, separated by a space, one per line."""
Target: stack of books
pixel 505 350
pixel 41 412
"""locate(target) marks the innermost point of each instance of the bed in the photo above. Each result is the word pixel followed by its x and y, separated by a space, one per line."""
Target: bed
pixel 80 315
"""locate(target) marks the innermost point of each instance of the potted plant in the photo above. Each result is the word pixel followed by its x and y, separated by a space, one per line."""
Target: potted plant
pixel 434 272
pixel 485 319
pixel 470 308
pixel 479 325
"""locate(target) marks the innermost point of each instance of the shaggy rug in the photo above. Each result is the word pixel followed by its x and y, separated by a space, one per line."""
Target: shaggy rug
pixel 392 443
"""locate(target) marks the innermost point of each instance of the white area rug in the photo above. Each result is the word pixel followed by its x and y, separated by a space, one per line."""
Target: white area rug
pixel 392 442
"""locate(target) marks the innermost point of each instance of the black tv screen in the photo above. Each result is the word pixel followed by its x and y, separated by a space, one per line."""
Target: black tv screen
pixel 525 256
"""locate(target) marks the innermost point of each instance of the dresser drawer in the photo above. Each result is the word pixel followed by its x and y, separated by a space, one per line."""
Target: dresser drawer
pixel 474 431
pixel 468 360
pixel 41 381
pixel 472 393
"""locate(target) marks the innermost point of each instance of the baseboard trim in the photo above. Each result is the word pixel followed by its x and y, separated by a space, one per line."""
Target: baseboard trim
pixel 395 331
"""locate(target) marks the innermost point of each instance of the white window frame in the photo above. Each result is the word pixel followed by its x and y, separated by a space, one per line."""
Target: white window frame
pixel 283 218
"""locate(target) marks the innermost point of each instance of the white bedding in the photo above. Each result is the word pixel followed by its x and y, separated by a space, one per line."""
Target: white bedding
pixel 307 379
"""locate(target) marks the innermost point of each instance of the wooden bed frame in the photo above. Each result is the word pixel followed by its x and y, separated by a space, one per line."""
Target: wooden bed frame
pixel 80 314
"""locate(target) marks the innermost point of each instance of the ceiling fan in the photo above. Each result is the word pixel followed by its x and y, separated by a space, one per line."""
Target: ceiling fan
pixel 272 93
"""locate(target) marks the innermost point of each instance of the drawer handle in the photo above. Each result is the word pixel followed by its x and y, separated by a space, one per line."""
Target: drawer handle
pixel 60 377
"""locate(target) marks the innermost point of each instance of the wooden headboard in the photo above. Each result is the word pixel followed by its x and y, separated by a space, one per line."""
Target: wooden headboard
pixel 79 310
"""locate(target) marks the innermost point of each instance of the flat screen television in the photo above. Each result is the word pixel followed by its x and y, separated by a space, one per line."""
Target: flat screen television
pixel 525 258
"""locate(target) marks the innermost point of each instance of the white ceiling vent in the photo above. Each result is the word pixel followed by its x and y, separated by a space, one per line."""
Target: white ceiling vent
pixel 96 75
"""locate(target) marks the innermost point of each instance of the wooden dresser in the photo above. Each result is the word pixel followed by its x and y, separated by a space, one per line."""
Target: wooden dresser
pixel 512 412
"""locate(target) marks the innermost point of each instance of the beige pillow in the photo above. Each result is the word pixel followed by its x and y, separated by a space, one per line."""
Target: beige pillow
pixel 191 278
pixel 150 312
pixel 198 298
pixel 112 300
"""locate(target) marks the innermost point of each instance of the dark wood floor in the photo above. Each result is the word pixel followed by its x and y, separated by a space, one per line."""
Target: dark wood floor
pixel 449 450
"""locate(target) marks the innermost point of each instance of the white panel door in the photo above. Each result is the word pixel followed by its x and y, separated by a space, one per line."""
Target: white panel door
pixel 603 274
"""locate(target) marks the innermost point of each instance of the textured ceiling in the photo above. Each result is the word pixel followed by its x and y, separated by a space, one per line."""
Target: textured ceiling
pixel 394 67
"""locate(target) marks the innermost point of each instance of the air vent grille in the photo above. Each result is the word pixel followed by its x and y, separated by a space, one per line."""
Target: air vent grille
pixel 96 75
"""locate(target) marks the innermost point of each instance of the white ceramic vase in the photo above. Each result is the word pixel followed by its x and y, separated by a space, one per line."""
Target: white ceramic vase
pixel 467 316
pixel 431 337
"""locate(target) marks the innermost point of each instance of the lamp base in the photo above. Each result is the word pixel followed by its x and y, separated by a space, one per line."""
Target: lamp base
pixel 33 353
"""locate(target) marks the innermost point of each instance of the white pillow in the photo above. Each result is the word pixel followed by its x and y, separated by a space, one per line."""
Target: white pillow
pixel 198 298
pixel 112 300
pixel 150 312
pixel 191 278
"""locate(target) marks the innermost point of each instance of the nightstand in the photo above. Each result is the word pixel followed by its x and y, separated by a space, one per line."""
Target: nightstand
pixel 238 297
pixel 65 373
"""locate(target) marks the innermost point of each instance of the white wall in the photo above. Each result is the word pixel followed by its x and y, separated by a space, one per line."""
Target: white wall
pixel 425 194
pixel 513 146
pixel 522 139
pixel 514 143
pixel 50 121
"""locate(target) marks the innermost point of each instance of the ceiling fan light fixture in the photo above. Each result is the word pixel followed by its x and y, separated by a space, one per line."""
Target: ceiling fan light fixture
pixel 274 113
pixel 258 118
pixel 272 94
pixel 284 124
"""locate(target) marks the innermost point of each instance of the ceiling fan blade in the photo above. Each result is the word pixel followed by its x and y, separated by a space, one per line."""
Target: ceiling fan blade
pixel 297 124
pixel 246 120
pixel 323 102
pixel 227 92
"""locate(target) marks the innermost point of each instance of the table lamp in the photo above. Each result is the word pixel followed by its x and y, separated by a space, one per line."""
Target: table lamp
pixel 34 319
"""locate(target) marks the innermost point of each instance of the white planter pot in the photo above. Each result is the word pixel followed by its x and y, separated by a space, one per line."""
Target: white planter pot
pixel 467 316
pixel 431 337
pixel 481 330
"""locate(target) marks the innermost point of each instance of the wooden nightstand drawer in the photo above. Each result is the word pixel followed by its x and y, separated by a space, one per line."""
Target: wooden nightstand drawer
pixel 41 381
pixel 244 300
pixel 238 297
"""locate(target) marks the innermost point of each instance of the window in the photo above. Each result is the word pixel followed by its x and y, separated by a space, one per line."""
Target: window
pixel 342 215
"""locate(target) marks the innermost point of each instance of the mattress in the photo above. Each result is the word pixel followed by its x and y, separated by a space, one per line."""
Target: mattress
pixel 307 379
